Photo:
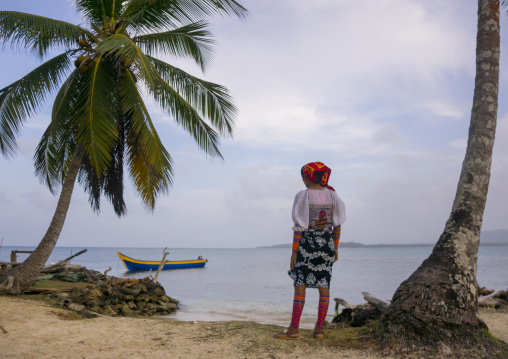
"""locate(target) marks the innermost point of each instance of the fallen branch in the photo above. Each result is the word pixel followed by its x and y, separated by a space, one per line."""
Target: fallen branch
pixel 61 264
pixel 380 304
pixel 106 275
pixel 340 301
pixel 163 261
pixel 7 284
pixel 74 255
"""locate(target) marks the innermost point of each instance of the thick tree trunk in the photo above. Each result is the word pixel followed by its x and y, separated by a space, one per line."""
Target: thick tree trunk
pixel 438 304
pixel 20 278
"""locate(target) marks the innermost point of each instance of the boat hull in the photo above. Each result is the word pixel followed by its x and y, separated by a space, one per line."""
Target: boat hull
pixel 138 265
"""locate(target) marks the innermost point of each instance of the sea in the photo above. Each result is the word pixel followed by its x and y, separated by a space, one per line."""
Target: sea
pixel 253 284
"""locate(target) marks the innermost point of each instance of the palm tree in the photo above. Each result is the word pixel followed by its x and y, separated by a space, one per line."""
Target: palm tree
pixel 437 306
pixel 99 116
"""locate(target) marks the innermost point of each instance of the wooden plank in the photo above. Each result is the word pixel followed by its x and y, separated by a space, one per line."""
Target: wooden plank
pixel 46 290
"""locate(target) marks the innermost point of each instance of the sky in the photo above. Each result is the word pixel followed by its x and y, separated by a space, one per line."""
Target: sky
pixel 380 91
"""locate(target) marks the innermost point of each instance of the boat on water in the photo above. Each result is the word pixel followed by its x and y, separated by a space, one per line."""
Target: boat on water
pixel 139 265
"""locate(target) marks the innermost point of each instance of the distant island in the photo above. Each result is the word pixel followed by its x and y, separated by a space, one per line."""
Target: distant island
pixel 497 237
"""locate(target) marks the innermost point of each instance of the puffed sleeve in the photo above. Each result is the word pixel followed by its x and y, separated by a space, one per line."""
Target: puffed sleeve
pixel 301 212
pixel 339 210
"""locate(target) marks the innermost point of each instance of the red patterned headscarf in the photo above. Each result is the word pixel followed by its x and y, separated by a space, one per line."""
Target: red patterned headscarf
pixel 310 169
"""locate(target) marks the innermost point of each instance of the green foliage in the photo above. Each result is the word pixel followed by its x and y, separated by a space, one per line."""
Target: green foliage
pixel 99 111
pixel 23 98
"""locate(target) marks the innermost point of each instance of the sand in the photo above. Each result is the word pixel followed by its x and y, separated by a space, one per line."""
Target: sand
pixel 37 330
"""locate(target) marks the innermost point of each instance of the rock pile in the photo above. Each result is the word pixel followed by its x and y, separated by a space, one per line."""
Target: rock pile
pixel 497 301
pixel 118 297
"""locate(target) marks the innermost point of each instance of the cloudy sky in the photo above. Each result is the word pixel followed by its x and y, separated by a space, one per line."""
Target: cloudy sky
pixel 380 91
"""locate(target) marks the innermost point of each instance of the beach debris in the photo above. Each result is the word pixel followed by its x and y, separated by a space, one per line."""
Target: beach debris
pixel 118 297
pixel 7 284
pixel 488 302
pixel 58 267
pixel 358 315
pixel 484 291
pixel 339 302
pixel 165 254
pixel 502 294
pixel 380 304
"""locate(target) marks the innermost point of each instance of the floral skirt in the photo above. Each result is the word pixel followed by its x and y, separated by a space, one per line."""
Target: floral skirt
pixel 314 259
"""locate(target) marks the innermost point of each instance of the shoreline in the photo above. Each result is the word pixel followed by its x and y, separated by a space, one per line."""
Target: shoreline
pixel 35 329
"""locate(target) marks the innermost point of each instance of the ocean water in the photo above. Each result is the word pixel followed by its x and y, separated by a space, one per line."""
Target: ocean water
pixel 252 284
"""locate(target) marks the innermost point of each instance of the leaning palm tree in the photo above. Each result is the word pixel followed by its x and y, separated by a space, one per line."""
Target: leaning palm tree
pixel 436 308
pixel 99 121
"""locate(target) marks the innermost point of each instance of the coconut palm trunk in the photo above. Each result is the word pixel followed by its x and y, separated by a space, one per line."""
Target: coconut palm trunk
pixel 21 277
pixel 439 301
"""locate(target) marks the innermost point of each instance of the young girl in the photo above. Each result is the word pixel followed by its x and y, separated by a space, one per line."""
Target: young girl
pixel 318 213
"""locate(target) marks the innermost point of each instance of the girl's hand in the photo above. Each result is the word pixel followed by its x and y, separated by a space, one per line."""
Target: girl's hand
pixel 336 256
pixel 292 265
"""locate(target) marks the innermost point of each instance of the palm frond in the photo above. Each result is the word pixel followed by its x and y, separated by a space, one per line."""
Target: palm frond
pixel 110 180
pixel 96 10
pixel 52 157
pixel 37 33
pixel 192 41
pixel 95 120
pixel 150 165
pixel 186 116
pixel 23 98
pixel 55 150
pixel 153 15
pixel 213 101
pixel 120 46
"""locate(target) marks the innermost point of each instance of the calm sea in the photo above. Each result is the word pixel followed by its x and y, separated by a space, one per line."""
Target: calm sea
pixel 252 284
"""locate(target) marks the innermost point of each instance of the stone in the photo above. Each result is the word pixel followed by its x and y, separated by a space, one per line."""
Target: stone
pixel 76 307
pixel 143 298
pixel 489 303
pixel 109 311
pixel 172 306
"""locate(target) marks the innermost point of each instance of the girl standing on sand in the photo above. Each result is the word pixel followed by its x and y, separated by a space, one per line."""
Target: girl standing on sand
pixel 318 213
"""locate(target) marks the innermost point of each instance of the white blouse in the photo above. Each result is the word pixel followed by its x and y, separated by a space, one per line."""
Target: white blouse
pixel 324 202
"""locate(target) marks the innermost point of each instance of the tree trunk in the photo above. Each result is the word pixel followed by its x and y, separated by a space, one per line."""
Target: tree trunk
pixel 438 303
pixel 20 278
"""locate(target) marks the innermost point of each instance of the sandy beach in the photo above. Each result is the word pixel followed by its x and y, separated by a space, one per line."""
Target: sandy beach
pixel 37 330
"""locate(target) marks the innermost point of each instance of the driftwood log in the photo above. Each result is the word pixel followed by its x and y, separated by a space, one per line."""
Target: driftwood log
pixel 359 315
pixel 163 261
pixel 61 264
pixel 380 304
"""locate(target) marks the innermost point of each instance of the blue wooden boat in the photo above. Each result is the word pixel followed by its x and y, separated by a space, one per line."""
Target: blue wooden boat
pixel 137 265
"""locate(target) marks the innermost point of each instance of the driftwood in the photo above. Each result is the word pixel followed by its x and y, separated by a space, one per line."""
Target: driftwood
pixel 7 284
pixel 380 304
pixel 89 276
pixel 340 301
pixel 161 265
pixel 106 275
pixel 61 264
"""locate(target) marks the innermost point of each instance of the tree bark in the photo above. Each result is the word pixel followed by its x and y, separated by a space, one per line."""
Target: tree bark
pixel 21 277
pixel 438 303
